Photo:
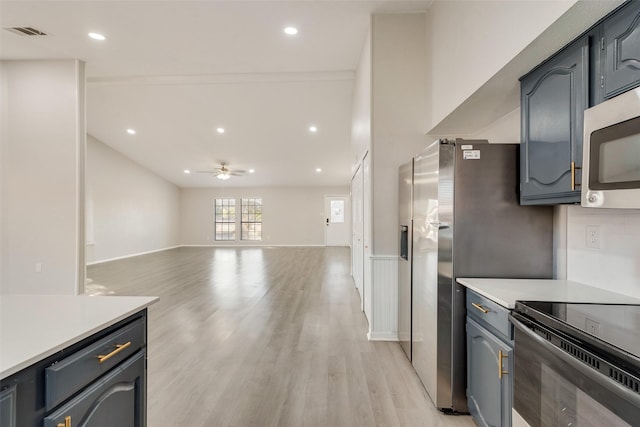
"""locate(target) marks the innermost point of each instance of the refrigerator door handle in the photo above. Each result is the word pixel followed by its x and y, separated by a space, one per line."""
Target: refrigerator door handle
pixel 404 242
pixel 440 225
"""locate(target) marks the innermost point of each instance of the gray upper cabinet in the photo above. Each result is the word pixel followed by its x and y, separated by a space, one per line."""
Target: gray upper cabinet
pixel 553 99
pixel 620 55
pixel 601 64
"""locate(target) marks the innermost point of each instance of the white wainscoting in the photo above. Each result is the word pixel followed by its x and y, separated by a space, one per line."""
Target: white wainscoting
pixel 383 325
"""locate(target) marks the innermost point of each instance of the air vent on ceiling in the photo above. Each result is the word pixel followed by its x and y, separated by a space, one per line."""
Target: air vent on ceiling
pixel 26 31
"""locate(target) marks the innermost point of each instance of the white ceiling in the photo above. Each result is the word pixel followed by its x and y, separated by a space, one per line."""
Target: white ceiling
pixel 176 70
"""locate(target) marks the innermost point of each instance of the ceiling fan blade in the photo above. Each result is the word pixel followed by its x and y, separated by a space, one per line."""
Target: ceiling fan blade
pixel 239 171
pixel 224 170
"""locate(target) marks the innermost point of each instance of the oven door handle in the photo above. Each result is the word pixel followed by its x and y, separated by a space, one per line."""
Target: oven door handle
pixel 602 380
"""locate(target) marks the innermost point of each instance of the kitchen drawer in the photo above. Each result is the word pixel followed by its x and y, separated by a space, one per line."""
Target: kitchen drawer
pixel 114 400
pixel 491 315
pixel 72 373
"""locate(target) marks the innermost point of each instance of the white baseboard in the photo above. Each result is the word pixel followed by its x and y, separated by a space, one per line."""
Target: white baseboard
pixel 132 255
pixel 382 336
pixel 254 245
pixel 202 246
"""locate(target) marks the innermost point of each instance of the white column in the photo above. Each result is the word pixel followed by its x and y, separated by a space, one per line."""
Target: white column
pixel 42 177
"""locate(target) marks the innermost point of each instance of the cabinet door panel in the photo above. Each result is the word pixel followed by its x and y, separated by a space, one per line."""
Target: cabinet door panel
pixel 554 98
pixel 115 400
pixel 549 105
pixel 8 407
pixel 621 53
pixel 489 396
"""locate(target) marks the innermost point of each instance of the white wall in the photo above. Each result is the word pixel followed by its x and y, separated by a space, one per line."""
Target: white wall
pixel 505 130
pixel 481 49
pixel 389 111
pixel 399 106
pixel 361 158
pixel 616 265
pixel 43 139
pixel 131 209
pixel 470 41
pixel 291 216
pixel 361 107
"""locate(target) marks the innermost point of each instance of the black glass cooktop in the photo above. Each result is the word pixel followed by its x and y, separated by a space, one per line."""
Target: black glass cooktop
pixel 614 324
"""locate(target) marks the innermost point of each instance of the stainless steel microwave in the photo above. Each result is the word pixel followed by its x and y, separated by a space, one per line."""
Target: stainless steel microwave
pixel 611 153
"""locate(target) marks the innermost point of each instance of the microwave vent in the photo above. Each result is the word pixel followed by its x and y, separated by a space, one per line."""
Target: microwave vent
pixel 26 31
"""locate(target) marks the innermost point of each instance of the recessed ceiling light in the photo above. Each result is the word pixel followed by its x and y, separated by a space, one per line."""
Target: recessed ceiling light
pixel 97 36
pixel 313 129
pixel 220 130
pixel 291 31
pixel 252 170
pixel 187 171
pixel 131 131
pixel 318 169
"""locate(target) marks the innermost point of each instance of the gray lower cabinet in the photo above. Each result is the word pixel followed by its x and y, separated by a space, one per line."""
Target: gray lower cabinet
pixel 488 382
pixel 111 401
pixel 489 362
pixel 620 55
pixel 97 382
pixel 8 407
pixel 553 99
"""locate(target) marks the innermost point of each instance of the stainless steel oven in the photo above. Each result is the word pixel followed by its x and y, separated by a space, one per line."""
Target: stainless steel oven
pixel 576 365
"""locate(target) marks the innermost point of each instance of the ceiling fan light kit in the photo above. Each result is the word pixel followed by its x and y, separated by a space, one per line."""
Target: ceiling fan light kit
pixel 223 172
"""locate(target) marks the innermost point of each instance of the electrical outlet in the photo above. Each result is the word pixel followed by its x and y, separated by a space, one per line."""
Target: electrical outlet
pixel 592 327
pixel 38 267
pixel 593 236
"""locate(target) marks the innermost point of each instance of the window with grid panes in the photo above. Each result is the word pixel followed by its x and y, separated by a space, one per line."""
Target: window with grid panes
pixel 225 218
pixel 251 219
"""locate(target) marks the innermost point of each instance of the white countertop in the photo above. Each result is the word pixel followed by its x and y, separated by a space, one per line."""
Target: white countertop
pixel 507 291
pixel 33 327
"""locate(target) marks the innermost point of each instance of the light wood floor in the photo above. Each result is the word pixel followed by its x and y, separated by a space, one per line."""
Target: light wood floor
pixel 265 337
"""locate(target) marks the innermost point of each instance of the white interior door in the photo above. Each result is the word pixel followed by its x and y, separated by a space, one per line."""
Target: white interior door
pixel 357 244
pixel 367 301
pixel 336 215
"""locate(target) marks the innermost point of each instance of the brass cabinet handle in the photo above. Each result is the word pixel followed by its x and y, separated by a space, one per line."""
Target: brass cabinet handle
pixel 501 356
pixel 119 348
pixel 67 422
pixel 574 168
pixel 481 308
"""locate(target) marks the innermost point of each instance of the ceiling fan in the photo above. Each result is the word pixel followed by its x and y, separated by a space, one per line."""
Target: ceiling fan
pixel 223 172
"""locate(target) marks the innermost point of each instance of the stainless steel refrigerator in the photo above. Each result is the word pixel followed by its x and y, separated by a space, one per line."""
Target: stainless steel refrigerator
pixel 460 217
